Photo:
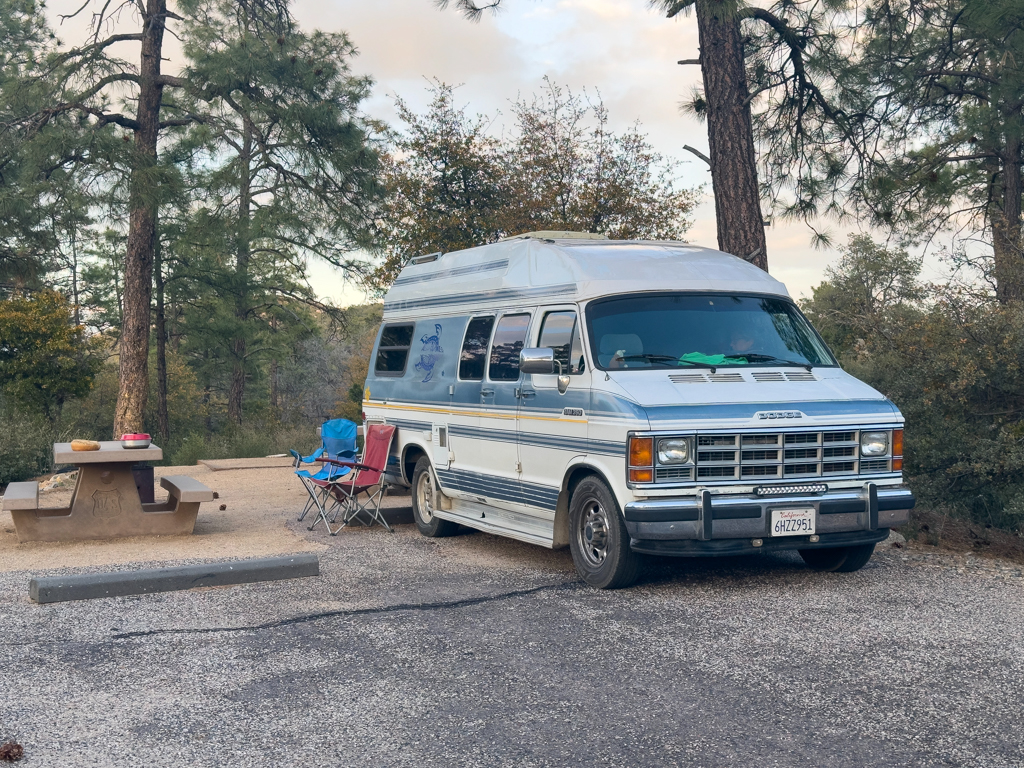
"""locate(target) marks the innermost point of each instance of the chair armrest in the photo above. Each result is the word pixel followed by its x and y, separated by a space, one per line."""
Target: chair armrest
pixel 340 463
pixel 314 456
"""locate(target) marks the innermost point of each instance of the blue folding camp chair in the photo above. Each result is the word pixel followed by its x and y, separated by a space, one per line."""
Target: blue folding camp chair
pixel 338 441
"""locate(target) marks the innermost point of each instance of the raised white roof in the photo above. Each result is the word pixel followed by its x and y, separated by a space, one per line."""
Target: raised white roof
pixel 524 271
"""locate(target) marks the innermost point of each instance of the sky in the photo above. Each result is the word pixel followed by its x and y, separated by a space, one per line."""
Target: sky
pixel 620 49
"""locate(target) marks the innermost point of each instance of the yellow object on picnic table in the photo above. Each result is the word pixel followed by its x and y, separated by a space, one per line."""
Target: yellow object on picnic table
pixel 84 445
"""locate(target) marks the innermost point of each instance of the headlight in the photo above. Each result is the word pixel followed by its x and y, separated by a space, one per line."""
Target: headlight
pixel 874 443
pixel 675 451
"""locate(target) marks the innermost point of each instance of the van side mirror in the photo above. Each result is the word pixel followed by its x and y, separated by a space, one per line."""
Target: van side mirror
pixel 537 360
pixel 542 360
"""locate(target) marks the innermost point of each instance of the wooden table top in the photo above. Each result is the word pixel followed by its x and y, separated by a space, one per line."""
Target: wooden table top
pixel 110 452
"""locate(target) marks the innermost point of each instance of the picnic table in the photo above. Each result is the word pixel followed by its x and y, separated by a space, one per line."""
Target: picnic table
pixel 106 503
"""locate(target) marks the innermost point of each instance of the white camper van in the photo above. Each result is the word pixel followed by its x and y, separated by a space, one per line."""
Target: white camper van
pixel 625 398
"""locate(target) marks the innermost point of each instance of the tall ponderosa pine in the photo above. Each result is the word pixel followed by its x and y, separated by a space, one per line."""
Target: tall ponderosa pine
pixel 742 45
pixel 87 82
pixel 948 84
pixel 283 169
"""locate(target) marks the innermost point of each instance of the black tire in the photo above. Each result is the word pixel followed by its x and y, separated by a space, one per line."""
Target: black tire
pixel 598 538
pixel 424 495
pixel 838 559
pixel 856 558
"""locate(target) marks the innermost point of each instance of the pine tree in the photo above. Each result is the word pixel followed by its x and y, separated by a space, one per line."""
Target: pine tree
pixel 83 84
pixel 282 166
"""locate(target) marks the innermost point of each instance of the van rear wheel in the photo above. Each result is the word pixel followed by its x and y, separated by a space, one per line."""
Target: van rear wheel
pixel 598 538
pixel 424 501
pixel 838 559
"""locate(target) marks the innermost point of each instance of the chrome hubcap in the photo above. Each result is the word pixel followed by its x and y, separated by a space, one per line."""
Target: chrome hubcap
pixel 425 498
pixel 592 536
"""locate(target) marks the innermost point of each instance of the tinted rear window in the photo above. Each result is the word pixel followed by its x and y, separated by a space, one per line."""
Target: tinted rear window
pixel 393 350
pixel 474 348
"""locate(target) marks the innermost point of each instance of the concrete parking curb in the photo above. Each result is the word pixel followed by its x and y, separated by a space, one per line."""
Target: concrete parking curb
pixel 56 589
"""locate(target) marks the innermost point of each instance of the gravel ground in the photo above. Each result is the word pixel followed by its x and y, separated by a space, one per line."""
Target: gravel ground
pixel 480 651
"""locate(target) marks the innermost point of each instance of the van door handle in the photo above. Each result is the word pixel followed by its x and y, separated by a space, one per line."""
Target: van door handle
pixel 486 392
pixel 524 393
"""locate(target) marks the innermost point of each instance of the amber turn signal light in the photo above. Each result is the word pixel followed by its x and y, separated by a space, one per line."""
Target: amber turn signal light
pixel 897 465
pixel 897 442
pixel 641 452
pixel 641 475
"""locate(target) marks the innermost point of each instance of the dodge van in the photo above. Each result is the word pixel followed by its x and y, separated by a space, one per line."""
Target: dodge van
pixel 629 398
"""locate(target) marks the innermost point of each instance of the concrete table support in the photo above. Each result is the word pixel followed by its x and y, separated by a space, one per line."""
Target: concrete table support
pixel 106 503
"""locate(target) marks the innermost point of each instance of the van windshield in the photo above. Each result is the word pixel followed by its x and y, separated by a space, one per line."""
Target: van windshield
pixel 693 330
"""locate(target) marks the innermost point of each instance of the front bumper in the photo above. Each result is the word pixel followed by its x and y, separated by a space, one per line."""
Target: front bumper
pixel 719 525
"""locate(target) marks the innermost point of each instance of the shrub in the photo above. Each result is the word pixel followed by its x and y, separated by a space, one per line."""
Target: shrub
pixel 27 447
pixel 951 360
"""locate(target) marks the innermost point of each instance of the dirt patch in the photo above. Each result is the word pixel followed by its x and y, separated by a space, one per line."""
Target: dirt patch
pixel 248 519
pixel 929 530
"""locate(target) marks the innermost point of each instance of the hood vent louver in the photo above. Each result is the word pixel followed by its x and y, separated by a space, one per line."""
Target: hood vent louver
pixel 687 378
pixel 734 377
pixel 779 376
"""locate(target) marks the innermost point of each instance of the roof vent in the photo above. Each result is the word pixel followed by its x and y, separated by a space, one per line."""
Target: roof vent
pixel 551 234
pixel 425 258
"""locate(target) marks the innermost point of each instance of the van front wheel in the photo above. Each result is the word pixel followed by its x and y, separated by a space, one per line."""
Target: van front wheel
pixel 598 538
pixel 424 501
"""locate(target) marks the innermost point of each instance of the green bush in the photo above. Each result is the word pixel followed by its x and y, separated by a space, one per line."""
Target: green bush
pixel 240 443
pixel 951 360
pixel 26 449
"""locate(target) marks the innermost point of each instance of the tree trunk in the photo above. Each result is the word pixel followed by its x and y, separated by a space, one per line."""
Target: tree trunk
pixel 163 418
pixel 275 395
pixel 730 133
pixel 236 392
pixel 133 369
pixel 1006 225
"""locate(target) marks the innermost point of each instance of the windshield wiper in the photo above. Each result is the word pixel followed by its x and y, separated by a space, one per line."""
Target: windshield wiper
pixel 666 359
pixel 758 357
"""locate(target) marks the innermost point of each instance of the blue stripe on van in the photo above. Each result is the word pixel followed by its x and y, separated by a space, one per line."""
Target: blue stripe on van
pixel 489 266
pixel 500 488
pixel 500 294
pixel 817 408
pixel 540 440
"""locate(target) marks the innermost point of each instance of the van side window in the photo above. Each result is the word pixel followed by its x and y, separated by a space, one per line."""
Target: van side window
pixel 393 350
pixel 561 333
pixel 509 340
pixel 474 348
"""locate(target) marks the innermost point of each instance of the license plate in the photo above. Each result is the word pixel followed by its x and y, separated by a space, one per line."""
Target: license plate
pixel 792 522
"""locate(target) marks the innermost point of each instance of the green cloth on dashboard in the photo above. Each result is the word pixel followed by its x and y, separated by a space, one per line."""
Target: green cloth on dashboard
pixel 698 357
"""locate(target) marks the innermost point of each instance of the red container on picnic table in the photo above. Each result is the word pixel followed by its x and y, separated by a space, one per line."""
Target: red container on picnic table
pixel 136 440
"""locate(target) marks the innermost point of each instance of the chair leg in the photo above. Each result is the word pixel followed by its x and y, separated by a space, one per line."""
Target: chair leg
pixel 309 502
pixel 321 500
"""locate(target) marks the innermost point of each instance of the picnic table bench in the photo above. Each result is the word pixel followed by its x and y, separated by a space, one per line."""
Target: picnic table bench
pixel 105 503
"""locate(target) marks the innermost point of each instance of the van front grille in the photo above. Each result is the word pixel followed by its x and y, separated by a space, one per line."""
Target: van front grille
pixel 775 455
pixel 673 473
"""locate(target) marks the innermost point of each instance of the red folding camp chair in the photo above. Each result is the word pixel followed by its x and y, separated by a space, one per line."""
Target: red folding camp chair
pixel 368 479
